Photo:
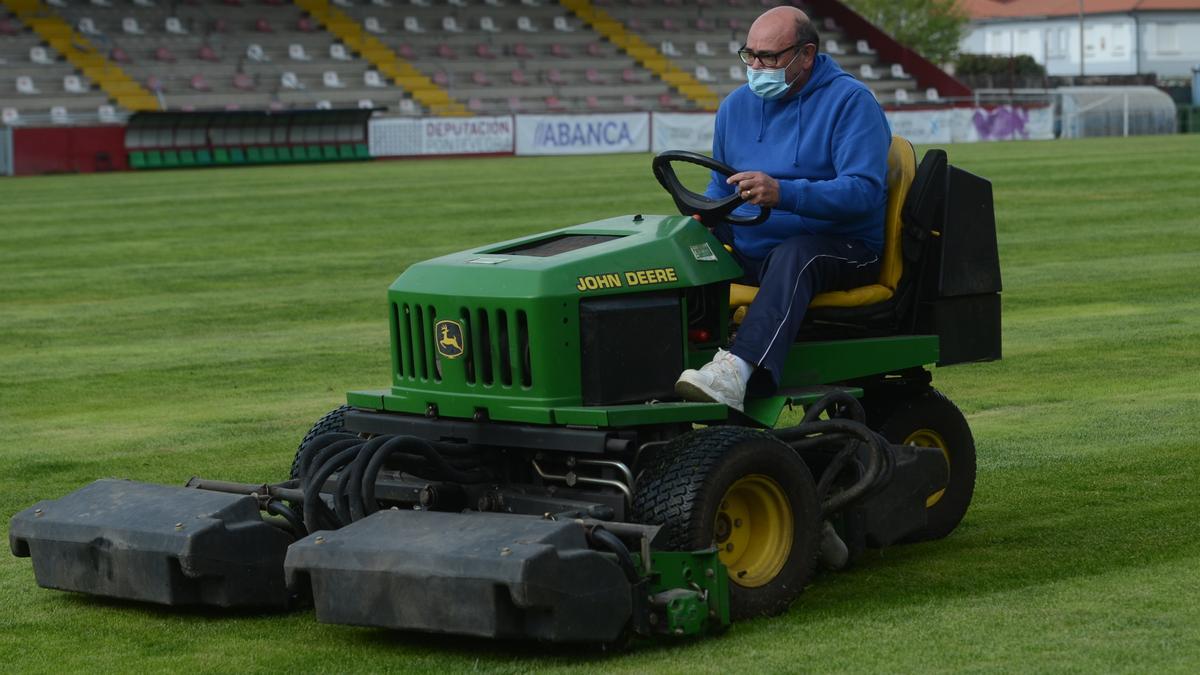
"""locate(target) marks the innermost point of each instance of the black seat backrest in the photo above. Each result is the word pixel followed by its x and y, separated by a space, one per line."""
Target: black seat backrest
pixel 925 205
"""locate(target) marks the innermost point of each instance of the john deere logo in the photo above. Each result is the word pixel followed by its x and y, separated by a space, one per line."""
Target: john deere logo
pixel 450 339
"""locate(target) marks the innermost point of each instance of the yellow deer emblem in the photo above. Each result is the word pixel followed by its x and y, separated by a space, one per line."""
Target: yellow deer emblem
pixel 450 343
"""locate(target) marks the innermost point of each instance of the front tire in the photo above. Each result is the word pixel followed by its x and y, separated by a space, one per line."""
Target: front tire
pixel 331 422
pixel 748 494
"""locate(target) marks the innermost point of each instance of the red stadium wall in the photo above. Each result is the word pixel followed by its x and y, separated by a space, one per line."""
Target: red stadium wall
pixel 39 150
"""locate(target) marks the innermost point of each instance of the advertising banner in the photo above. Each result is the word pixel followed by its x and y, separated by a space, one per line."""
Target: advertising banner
pixel 682 131
pixel 583 134
pixel 929 127
pixel 399 137
pixel 1003 123
pixel 6 163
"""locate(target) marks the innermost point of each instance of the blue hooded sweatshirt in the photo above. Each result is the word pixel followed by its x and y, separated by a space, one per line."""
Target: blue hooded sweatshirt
pixel 827 146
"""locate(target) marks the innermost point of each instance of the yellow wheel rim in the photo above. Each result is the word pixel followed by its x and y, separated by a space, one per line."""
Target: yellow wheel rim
pixel 928 438
pixel 753 530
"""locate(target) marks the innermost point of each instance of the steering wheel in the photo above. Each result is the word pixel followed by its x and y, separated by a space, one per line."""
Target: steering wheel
pixel 712 212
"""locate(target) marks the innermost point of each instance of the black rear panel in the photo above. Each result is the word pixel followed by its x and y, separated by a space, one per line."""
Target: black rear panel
pixel 632 347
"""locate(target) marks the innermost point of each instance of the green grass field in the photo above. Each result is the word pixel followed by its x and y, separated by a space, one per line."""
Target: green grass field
pixel 157 326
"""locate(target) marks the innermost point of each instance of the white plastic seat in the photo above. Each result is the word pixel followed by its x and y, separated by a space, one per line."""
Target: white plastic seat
pixel 525 24
pixel 863 48
pixel 702 48
pixel 450 25
pixel 703 75
pixel 337 52
pixel 866 72
pixel 486 24
pixel 832 47
pixel 10 116
pixel 38 54
pixel 408 106
pixel 107 114
pixel 737 73
pixel 58 115
pixel 144 3
pixel 365 103
pixel 494 3
pixel 931 94
pixel 255 52
pixel 289 80
pixel 457 3
pixel 131 27
pixel 531 3
pixel 174 26
pixel 101 3
pixel 73 85
pixel 412 25
pixel 296 53
pixel 668 48
pixel 57 3
pixel 87 26
pixel 562 25
pixel 331 80
pixel 898 72
pixel 734 47
pixel 343 3
pixel 381 3
pixel 372 78
pixel 25 85
pixel 420 3
pixel 901 96
pixel 372 25
pixel 324 105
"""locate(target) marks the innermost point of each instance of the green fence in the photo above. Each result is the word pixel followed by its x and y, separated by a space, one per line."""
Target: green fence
pixel 1189 119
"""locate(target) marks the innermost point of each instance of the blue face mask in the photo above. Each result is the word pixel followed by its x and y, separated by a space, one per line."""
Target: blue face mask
pixel 768 83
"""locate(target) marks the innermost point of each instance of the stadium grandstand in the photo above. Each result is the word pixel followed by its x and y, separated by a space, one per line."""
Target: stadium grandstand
pixel 64 61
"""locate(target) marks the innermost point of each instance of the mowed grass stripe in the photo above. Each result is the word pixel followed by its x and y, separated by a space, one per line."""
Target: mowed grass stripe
pixel 162 325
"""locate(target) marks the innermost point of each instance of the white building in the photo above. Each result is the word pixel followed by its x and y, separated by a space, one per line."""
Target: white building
pixel 1120 37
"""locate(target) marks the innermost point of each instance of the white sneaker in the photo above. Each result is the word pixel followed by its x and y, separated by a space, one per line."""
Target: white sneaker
pixel 718 381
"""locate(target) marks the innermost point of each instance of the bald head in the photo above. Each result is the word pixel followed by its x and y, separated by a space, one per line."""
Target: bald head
pixel 786 31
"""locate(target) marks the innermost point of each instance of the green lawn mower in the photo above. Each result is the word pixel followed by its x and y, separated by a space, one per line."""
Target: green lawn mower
pixel 530 473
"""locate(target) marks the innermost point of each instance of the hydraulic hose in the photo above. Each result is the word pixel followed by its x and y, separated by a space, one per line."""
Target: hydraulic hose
pixel 610 541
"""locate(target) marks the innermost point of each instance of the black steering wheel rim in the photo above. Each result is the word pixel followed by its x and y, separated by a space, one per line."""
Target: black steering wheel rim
pixel 712 212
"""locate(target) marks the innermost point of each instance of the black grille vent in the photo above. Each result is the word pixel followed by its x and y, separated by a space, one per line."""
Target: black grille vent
pixel 496 352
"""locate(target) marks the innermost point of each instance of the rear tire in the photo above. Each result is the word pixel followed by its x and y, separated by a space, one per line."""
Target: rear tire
pixel 332 422
pixel 748 494
pixel 931 420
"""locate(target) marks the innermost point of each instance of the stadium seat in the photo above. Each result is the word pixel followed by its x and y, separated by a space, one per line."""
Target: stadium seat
pixel 450 25
pixel 364 104
pixel 412 25
pixel 339 3
pixel 595 49
pixel 288 80
pixel 255 52
pixel 57 3
pixel 372 78
pixel 263 26
pixel 555 76
pixel 829 24
pixel 474 104
pixel 441 78
pixel 445 51
pixel 207 53
pixel 174 26
pixel 480 78
pixel 630 101
pixel 199 83
pixel 898 72
pixel 703 75
pixel 484 52
pixel 665 102
pixel 10 116
pixel 670 25
pixel 702 49
pixel 25 85
pixel 107 114
pixel 8 27
pixel 520 51
pixel 408 106
pixel 734 47
pixel 592 102
pixel 87 26
pixel 406 51
pixel 131 27
pixel 832 47
pixel 866 72
pixel 372 25
pixel 154 83
pixel 243 81
pixel 531 3
pixel 593 76
pixel 306 25
pixel 634 24
pixel 457 3
pixel 323 104
pixel 560 51
pixel 667 47
pixel 487 25
pixel 382 3
pixel 555 104
pixel 337 52
pixel 219 25
pixel 39 55
pixel 630 76
pixel 58 115
pixel 863 48
pixel 331 80
pixel 73 85
pixel 296 52
pixel 931 94
pixel 562 25
pixel 737 73
pixel 526 25
pixel 514 104
pixel 901 96
pixel 518 77
pixel 118 55
pixel 736 25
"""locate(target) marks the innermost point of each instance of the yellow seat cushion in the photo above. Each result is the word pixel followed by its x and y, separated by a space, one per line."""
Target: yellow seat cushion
pixel 902 166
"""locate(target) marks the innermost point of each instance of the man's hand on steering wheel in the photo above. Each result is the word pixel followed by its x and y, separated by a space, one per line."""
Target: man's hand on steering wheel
pixel 756 188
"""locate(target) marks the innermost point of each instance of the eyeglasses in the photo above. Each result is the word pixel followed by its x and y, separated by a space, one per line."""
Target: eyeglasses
pixel 768 59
